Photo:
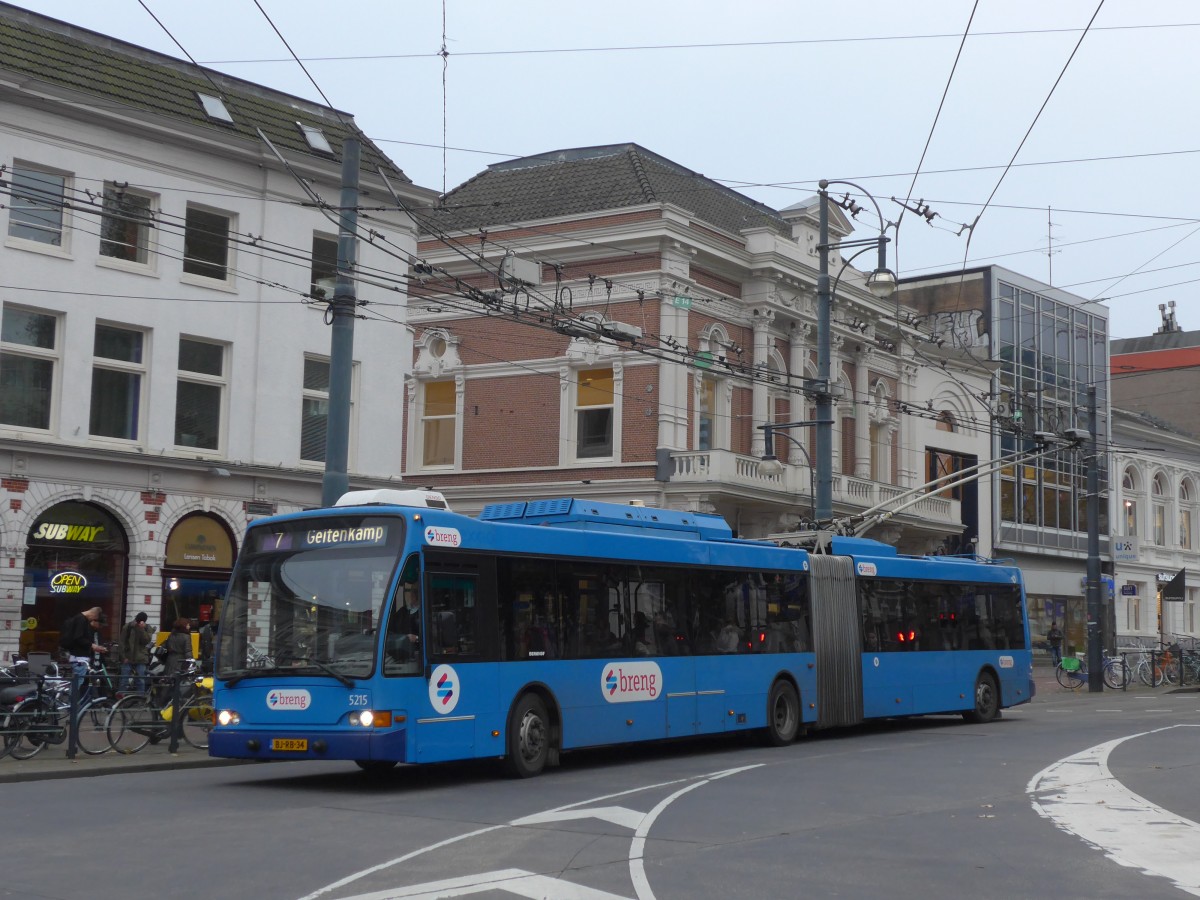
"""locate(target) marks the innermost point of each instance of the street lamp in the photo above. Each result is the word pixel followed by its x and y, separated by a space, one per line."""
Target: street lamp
pixel 769 465
pixel 881 283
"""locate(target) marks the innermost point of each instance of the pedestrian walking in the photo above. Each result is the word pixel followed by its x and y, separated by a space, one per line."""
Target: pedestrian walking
pixel 135 643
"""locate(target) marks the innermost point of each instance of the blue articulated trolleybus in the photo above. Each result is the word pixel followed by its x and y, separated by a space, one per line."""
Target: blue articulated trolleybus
pixel 388 629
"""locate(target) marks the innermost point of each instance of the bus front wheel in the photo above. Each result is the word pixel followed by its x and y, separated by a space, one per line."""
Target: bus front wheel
pixel 528 737
pixel 987 700
pixel 783 714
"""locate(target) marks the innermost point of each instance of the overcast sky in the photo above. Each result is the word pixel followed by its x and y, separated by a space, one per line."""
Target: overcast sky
pixel 769 97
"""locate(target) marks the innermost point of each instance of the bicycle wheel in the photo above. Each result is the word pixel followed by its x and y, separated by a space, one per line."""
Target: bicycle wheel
pixel 93 727
pixel 1170 671
pixel 1116 674
pixel 131 723
pixel 199 716
pixel 36 723
pixel 1071 680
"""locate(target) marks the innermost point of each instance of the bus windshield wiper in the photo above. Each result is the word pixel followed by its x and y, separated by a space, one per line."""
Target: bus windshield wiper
pixel 317 664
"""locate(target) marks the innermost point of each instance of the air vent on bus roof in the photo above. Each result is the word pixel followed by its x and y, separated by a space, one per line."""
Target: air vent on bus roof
pixel 388 497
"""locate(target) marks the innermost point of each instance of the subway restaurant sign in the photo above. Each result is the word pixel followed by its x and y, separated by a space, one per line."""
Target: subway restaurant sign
pixel 200 542
pixel 57 531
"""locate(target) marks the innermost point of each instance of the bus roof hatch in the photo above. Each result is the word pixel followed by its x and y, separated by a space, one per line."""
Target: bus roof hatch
pixel 389 497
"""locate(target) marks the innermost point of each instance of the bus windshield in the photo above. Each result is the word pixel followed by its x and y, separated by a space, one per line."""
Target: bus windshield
pixel 307 597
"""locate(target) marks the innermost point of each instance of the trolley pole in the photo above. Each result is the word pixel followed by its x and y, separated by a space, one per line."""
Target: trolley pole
pixel 1094 660
pixel 341 342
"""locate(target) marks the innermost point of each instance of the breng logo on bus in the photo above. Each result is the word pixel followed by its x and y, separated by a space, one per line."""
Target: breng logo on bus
pixel 288 699
pixel 630 682
pixel 442 537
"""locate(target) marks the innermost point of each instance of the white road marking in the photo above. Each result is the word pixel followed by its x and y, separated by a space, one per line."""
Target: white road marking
pixel 527 884
pixel 510 881
pixel 1080 795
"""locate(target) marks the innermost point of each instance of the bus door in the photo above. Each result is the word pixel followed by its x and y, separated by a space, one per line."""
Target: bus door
pixel 836 641
pixel 460 637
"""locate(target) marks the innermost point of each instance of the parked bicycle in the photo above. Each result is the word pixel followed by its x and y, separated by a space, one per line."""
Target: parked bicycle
pixel 44 716
pixel 1155 667
pixel 140 719
pixel 1071 672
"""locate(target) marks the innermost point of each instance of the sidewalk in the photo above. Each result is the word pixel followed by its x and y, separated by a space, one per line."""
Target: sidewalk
pixel 52 762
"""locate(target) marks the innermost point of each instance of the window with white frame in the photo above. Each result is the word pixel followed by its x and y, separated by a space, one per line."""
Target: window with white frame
pixel 595 407
pixel 206 248
pixel 439 423
pixel 1129 485
pixel 706 413
pixel 200 394
pixel 1158 505
pixel 118 371
pixel 125 224
pixel 323 274
pixel 1133 614
pixel 29 359
pixel 37 204
pixel 314 409
pixel 1187 513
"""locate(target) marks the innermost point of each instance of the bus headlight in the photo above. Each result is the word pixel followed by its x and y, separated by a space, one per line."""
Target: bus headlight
pixel 228 717
pixel 368 718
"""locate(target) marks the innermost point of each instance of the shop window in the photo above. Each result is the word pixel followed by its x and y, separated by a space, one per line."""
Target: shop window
pixel 117 374
pixel 206 243
pixel 36 209
pixel 125 224
pixel 76 558
pixel 199 394
pixel 28 362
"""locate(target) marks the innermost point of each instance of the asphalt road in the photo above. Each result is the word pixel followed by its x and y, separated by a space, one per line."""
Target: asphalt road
pixel 1072 796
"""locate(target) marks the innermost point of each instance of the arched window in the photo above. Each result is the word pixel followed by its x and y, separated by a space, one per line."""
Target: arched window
pixel 1158 506
pixel 1129 487
pixel 1187 513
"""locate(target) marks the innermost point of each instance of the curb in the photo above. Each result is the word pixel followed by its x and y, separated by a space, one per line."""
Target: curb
pixel 83 767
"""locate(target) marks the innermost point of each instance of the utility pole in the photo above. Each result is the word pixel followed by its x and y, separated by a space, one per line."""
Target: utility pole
pixel 1094 660
pixel 823 502
pixel 341 341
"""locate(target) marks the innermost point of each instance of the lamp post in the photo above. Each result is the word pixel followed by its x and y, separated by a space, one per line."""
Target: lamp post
pixel 881 283
pixel 770 465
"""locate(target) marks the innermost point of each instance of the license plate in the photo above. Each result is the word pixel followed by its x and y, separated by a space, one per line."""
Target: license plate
pixel 300 744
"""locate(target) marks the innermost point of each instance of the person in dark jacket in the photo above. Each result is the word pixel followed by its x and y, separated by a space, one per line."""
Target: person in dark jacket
pixel 78 639
pixel 135 639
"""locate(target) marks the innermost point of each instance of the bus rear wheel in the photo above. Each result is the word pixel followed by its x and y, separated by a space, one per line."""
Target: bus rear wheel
pixel 528 737
pixel 987 700
pixel 783 714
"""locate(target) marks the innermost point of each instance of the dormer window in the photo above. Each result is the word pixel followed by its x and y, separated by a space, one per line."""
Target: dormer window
pixel 316 138
pixel 214 108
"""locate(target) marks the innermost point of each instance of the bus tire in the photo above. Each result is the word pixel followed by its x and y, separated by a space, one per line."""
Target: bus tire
pixel 528 737
pixel 783 713
pixel 987 700
pixel 376 766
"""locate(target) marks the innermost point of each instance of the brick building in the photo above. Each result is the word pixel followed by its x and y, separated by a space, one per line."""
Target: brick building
pixel 603 322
